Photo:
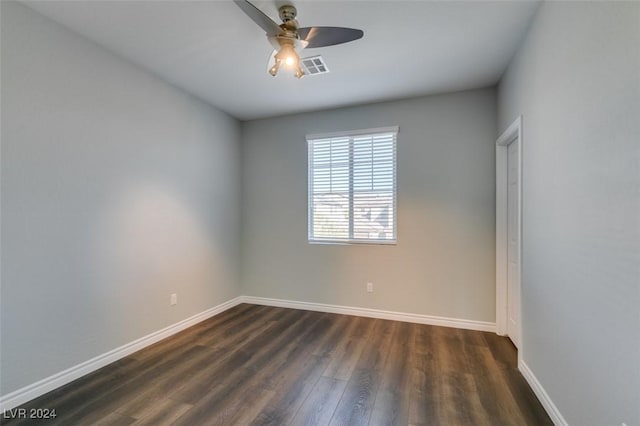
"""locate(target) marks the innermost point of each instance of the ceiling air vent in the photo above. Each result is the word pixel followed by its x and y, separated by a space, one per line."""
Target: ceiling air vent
pixel 314 65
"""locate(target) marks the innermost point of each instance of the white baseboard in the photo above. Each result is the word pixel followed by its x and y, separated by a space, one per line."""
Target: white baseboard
pixel 50 383
pixel 545 400
pixel 374 313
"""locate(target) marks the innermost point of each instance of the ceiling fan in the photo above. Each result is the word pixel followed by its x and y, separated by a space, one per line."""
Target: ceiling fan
pixel 288 39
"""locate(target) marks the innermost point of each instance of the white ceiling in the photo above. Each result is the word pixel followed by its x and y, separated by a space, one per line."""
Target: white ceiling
pixel 214 51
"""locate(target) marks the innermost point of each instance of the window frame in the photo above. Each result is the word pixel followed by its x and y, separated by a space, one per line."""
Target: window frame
pixel 351 134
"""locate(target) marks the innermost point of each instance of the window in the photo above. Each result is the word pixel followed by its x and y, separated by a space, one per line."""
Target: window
pixel 352 186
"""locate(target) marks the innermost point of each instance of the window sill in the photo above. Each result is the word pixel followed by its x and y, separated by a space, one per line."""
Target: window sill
pixel 354 242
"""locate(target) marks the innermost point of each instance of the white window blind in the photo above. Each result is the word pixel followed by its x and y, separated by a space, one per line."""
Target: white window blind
pixel 352 186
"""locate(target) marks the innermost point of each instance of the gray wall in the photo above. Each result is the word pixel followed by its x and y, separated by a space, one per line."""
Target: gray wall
pixel 576 81
pixel 117 190
pixel 444 262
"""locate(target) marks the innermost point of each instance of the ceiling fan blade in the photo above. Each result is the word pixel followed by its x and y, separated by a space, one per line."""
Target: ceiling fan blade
pixel 328 36
pixel 259 17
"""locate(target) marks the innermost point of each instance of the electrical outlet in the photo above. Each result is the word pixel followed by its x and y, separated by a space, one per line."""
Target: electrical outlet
pixel 174 299
pixel 369 287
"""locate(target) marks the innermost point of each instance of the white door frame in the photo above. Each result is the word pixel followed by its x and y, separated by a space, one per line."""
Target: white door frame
pixel 513 133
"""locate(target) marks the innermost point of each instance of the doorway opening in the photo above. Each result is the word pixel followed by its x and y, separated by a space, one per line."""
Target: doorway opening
pixel 509 234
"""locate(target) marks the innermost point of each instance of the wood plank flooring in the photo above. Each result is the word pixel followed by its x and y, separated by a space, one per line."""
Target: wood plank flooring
pixel 258 365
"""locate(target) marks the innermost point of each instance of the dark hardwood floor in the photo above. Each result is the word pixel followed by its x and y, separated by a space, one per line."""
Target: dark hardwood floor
pixel 263 365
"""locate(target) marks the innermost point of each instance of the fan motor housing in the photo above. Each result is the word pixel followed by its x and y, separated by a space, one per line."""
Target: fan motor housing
pixel 287 13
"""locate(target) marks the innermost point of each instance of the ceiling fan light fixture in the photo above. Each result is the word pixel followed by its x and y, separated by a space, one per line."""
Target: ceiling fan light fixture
pixel 288 57
pixel 287 38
